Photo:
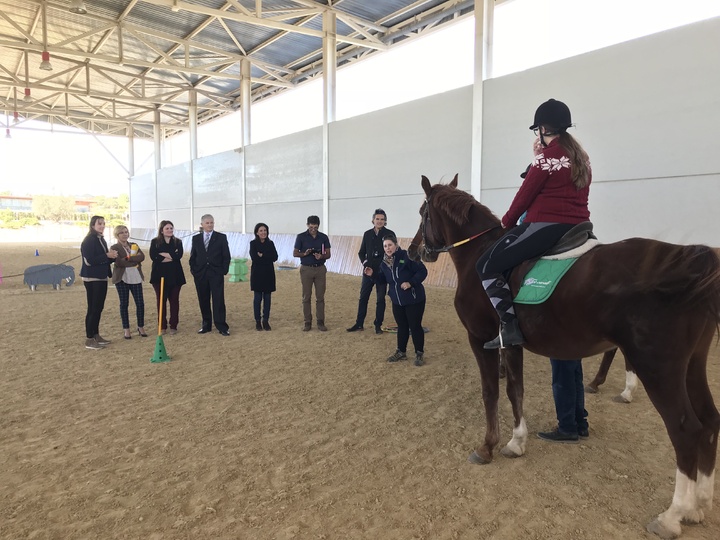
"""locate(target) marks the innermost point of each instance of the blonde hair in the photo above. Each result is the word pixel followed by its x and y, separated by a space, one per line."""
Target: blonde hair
pixel 118 229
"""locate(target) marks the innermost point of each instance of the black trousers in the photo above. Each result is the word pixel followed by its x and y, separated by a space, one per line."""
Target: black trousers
pixel 519 244
pixel 366 289
pixel 212 287
pixel 96 292
pixel 409 321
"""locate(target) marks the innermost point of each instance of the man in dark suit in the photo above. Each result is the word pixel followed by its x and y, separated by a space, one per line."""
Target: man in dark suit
pixel 209 263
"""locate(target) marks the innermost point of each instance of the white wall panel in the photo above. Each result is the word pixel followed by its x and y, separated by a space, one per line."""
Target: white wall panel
pixel 227 218
pixel 142 192
pixel 284 218
pixel 174 187
pixel 217 180
pixel 386 152
pixel 285 169
pixel 658 208
pixel 180 218
pixel 143 219
pixel 352 217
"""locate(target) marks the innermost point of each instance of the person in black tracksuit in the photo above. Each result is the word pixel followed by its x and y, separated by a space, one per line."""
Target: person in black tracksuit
pixel 404 278
pixel 371 255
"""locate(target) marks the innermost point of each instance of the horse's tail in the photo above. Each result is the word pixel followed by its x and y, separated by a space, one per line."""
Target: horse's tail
pixel 689 276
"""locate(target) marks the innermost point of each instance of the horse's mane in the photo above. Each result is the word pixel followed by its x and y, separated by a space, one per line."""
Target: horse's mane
pixel 456 204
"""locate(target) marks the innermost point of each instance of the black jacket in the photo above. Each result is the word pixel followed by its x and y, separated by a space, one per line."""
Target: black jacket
pixel 262 271
pixel 95 262
pixel 371 249
pixel 215 261
pixel 171 271
pixel 403 269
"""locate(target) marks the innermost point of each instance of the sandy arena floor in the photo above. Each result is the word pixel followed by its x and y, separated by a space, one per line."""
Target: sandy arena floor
pixel 286 434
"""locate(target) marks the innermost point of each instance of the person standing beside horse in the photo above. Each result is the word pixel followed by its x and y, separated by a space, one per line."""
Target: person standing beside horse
pixel 95 271
pixel 262 274
pixel 371 255
pixel 405 277
pixel 128 279
pixel 209 264
pixel 165 252
pixel 555 196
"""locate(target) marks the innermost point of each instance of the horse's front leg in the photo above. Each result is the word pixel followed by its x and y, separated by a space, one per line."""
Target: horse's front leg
pixel 513 359
pixel 489 365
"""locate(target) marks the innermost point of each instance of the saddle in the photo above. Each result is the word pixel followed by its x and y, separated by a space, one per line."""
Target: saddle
pixel 573 239
pixel 533 281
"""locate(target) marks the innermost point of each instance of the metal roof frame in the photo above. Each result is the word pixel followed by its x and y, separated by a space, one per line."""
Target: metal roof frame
pixel 115 67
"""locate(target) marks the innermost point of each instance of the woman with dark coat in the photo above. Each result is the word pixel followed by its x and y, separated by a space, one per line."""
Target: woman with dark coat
pixel 262 274
pixel 404 278
pixel 95 271
pixel 165 253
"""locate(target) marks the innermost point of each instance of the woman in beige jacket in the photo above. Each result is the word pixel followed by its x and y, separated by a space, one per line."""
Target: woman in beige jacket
pixel 128 279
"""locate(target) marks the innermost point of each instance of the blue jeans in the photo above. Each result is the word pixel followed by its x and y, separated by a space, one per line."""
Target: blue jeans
pixel 365 291
pixel 569 395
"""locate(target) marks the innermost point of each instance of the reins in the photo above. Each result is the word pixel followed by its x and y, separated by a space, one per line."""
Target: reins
pixel 447 248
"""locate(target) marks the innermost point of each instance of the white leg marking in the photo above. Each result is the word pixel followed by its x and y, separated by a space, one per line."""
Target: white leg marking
pixel 705 489
pixel 683 507
pixel 631 382
pixel 516 446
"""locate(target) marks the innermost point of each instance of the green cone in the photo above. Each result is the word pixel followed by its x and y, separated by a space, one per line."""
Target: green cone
pixel 160 354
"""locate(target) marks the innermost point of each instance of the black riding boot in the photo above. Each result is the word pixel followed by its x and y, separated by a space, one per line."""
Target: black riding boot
pixel 501 297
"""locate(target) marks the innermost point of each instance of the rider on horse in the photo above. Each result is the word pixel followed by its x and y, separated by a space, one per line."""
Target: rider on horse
pixel 555 196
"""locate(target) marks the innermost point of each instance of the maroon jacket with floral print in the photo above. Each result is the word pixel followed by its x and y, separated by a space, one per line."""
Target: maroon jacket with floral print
pixel 547 193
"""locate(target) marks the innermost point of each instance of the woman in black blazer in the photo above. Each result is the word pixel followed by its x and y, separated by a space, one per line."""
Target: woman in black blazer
pixel 94 272
pixel 262 274
pixel 165 253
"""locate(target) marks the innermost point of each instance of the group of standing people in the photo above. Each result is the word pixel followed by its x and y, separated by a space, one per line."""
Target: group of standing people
pixel 209 263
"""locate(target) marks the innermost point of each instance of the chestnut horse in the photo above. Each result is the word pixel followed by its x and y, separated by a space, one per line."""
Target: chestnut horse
pixel 658 303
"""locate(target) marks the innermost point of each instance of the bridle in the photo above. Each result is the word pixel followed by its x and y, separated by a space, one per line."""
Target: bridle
pixel 423 227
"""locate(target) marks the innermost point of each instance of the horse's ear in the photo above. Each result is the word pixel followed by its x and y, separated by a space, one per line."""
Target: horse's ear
pixel 425 184
pixel 454 181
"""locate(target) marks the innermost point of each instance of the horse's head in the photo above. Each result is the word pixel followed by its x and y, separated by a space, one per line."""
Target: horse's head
pixel 429 242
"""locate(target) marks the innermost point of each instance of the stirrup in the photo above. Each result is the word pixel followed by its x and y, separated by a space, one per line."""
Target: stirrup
pixel 509 336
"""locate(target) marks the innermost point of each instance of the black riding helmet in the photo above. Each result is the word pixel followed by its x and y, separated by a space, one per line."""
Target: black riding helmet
pixel 552 114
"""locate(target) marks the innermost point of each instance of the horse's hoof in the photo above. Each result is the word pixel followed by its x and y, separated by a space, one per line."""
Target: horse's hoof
pixel 620 399
pixel 475 459
pixel 591 389
pixel 660 530
pixel 509 453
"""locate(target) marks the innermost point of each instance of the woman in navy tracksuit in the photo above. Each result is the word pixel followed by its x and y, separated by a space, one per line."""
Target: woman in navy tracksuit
pixel 404 278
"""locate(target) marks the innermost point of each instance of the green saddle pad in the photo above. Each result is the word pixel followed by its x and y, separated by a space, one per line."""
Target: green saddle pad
pixel 541 280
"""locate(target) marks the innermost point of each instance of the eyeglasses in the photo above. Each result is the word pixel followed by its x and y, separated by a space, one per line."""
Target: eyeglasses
pixel 536 131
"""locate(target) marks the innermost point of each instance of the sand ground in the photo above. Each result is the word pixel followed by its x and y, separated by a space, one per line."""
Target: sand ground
pixel 286 434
